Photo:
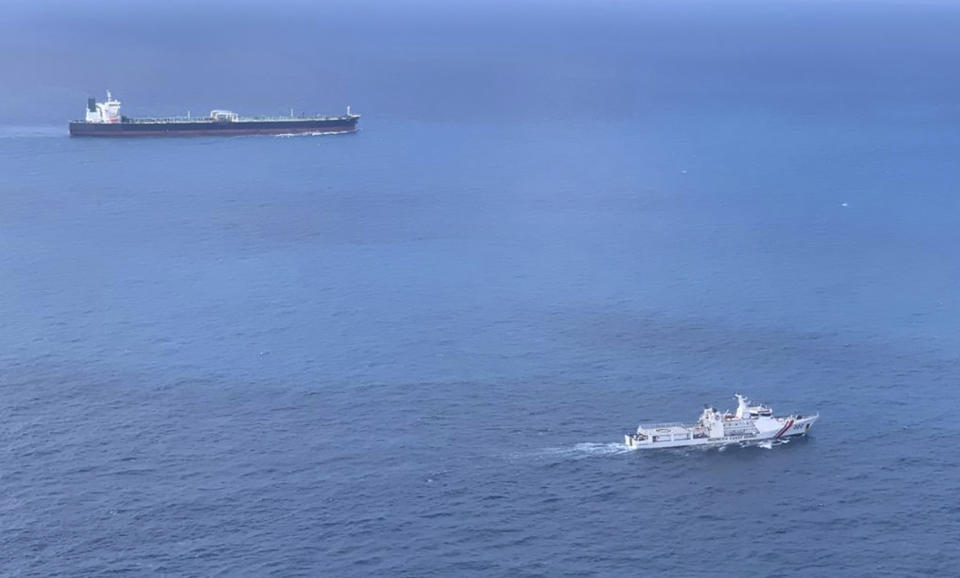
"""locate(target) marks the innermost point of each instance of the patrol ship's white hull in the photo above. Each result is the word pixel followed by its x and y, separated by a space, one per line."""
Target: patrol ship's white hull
pixel 749 424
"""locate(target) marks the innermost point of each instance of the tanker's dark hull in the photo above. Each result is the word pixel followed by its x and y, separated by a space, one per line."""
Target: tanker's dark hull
pixel 126 128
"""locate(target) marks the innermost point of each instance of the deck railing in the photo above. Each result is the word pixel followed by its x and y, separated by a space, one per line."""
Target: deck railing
pixel 207 119
pixel 660 425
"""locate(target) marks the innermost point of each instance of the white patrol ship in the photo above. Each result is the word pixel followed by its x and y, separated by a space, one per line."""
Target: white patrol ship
pixel 750 423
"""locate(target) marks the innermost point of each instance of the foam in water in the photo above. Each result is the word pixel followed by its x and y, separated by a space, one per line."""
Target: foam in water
pixel 290 134
pixel 584 450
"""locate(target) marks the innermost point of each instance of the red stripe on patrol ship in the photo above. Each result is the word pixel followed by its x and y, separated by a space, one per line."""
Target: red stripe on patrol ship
pixel 784 430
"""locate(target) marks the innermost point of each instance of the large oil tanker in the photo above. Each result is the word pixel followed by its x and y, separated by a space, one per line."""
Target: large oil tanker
pixel 104 119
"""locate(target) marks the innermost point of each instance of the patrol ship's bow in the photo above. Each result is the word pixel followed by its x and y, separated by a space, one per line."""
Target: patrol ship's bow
pixel 750 423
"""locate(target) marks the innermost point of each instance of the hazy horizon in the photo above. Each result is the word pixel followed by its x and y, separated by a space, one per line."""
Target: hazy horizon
pixel 430 60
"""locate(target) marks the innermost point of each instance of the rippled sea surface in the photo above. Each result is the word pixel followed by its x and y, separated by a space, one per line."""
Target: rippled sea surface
pixel 414 351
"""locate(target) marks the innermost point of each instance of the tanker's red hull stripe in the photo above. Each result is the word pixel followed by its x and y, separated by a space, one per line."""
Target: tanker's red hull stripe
pixel 784 430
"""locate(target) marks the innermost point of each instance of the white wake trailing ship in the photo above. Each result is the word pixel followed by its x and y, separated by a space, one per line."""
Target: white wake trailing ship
pixel 750 423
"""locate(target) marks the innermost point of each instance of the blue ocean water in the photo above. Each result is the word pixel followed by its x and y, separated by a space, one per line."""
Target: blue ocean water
pixel 413 351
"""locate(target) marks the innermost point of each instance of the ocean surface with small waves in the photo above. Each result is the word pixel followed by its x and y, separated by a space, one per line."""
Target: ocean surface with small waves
pixel 414 350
